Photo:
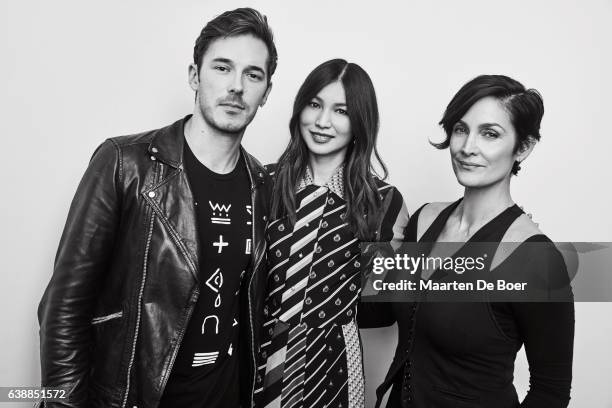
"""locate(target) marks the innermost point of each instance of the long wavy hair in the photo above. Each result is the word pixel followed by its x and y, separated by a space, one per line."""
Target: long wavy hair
pixel 361 193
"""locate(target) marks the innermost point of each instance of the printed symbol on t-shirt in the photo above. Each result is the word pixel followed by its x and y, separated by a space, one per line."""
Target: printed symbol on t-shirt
pixel 248 208
pixel 248 247
pixel 200 359
pixel 231 349
pixel 235 323
pixel 220 244
pixel 215 281
pixel 220 213
pixel 215 320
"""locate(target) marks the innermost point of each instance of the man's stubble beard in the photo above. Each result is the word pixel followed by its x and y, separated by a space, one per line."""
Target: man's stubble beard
pixel 229 129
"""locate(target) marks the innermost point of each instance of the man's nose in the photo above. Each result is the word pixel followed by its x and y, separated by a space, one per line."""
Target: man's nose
pixel 236 85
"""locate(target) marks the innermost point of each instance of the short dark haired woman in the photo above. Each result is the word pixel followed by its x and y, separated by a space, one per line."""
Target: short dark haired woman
pixel 462 354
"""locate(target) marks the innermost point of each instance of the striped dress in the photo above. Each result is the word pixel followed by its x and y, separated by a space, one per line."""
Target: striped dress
pixel 311 351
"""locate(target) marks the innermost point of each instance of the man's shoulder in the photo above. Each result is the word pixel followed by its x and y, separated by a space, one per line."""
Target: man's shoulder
pixel 163 143
pixel 134 139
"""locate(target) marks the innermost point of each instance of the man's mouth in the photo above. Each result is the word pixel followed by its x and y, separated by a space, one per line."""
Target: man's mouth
pixel 232 105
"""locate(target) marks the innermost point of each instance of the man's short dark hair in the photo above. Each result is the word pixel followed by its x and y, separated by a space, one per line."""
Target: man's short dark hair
pixel 237 22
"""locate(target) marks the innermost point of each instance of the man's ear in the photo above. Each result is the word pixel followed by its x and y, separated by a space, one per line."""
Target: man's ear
pixel 525 149
pixel 193 76
pixel 265 97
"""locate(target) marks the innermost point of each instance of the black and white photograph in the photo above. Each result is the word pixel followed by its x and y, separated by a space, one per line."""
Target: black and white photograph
pixel 267 204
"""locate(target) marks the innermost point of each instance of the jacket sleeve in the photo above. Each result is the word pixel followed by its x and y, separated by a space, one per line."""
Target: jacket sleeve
pixel 86 245
pixel 391 233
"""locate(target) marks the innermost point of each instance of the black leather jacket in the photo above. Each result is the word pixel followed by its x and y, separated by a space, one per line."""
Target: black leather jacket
pixel 125 280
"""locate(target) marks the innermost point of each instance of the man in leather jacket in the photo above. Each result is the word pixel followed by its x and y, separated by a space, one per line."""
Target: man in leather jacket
pixel 158 283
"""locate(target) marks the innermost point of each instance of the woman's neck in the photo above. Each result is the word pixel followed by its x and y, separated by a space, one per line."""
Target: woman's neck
pixel 480 205
pixel 323 167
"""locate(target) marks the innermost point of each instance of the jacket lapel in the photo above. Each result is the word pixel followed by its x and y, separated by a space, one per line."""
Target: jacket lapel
pixel 170 196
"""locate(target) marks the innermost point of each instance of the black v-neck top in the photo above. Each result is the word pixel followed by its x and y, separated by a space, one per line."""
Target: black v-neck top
pixel 464 353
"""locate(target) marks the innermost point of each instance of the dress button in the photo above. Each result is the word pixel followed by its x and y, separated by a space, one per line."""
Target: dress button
pixel 154 149
pixel 324 224
pixel 313 275
pixel 151 194
pixel 300 255
pixel 152 157
pixel 265 217
pixel 308 300
pixel 321 314
pixel 307 224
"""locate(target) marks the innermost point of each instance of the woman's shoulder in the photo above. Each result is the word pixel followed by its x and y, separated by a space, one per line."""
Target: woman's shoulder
pixel 428 213
pixel 384 188
pixel 422 219
pixel 523 229
pixel 524 241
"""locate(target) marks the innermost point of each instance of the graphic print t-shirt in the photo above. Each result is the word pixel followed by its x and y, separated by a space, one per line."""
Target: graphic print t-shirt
pixel 205 372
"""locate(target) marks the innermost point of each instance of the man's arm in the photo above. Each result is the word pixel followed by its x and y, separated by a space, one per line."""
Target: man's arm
pixel 66 308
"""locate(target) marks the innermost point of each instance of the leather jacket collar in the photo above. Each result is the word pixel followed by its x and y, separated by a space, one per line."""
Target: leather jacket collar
pixel 168 143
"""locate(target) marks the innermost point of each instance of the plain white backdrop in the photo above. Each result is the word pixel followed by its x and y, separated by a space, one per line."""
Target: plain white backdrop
pixel 74 73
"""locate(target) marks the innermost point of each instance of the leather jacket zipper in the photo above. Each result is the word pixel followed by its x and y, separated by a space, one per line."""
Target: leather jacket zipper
pixel 138 314
pixel 192 301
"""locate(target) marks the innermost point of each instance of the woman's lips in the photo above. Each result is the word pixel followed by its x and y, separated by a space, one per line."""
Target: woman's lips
pixel 319 137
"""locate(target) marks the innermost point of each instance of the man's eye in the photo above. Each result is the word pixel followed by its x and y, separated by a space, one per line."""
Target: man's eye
pixel 256 77
pixel 221 68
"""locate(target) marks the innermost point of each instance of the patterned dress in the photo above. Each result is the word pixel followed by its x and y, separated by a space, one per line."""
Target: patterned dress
pixel 311 351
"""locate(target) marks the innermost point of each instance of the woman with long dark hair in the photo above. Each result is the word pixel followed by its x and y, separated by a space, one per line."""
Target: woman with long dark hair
pixel 326 201
pixel 453 354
